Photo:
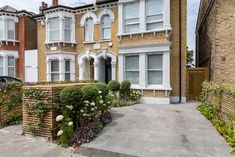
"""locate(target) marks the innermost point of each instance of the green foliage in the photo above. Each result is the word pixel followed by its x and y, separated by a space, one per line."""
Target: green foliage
pixel 103 88
pixel 71 96
pixel 90 92
pixel 11 101
pixel 189 56
pixel 125 89
pixel 134 96
pixel 212 110
pixel 34 93
pixel 114 86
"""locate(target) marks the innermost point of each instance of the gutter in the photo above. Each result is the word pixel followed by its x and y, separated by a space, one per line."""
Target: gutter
pixel 180 51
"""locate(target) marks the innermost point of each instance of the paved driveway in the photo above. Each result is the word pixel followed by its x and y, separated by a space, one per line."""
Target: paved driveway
pixel 158 131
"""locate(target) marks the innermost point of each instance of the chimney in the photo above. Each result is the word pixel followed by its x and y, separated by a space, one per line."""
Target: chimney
pixel 43 6
pixel 54 2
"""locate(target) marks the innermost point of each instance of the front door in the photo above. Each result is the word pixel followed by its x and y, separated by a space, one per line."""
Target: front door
pixel 31 66
pixel 108 70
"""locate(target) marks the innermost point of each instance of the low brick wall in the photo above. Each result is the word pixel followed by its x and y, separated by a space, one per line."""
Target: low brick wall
pixel 50 128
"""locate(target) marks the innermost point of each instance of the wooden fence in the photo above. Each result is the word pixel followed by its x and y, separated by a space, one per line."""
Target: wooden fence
pixel 194 79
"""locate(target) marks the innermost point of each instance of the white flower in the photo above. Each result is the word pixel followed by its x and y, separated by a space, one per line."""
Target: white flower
pixel 69 107
pixel 101 101
pixel 82 111
pixel 108 102
pixel 70 123
pixel 100 92
pixel 60 133
pixel 86 105
pixel 86 101
pixel 92 109
pixel 100 96
pixel 92 104
pixel 59 118
pixel 104 104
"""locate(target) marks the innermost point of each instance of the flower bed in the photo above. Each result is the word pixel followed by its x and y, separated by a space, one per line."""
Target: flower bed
pixel 218 106
pixel 10 104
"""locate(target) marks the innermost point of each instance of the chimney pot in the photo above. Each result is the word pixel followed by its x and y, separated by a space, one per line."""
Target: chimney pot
pixel 54 2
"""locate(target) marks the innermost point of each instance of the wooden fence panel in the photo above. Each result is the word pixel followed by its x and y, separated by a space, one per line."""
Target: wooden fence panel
pixel 195 78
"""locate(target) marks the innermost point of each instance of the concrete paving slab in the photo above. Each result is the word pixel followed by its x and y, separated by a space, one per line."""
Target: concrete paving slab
pixel 159 130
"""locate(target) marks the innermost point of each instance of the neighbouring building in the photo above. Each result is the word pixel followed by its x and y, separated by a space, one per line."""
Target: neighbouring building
pixel 143 41
pixel 17 35
pixel 215 36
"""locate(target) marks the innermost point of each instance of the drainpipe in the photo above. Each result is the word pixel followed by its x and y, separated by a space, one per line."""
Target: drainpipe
pixel 180 51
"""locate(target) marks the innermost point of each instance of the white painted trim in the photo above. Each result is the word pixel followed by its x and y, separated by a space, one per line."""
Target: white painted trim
pixel 105 12
pixel 175 99
pixel 87 15
pixel 5 54
pixel 9 53
pixel 61 56
pixel 152 100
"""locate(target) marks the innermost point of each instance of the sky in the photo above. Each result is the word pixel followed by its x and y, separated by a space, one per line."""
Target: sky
pixel 33 5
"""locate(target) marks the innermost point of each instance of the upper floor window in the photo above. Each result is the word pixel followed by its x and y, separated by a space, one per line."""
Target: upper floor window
pixel 1 29
pixel 131 16
pixel 154 14
pixel 67 29
pixel 89 29
pixel 10 29
pixel 54 29
pixel 106 27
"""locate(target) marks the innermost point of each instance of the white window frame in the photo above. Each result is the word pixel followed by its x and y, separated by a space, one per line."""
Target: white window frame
pixel 3 23
pixel 67 72
pixel 55 72
pixel 142 18
pixel 52 30
pixel 154 70
pixel 7 29
pixel 86 30
pixel 133 70
pixel 2 66
pixel 69 30
pixel 13 66
pixel 106 27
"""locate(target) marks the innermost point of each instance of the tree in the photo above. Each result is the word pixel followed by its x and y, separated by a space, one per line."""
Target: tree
pixel 189 56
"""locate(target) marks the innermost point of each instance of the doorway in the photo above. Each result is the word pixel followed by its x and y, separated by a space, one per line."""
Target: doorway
pixel 105 68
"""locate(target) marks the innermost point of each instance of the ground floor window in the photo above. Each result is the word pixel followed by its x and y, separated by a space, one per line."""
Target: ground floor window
pixel 11 66
pixel 7 66
pixel 155 69
pixel 132 69
pixel 67 70
pixel 1 66
pixel 55 70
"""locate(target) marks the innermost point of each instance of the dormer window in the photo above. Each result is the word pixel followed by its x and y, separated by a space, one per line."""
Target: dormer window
pixel 89 30
pixel 131 14
pixel 54 29
pixel 154 14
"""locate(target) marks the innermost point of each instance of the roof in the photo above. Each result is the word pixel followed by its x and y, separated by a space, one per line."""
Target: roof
pixel 9 9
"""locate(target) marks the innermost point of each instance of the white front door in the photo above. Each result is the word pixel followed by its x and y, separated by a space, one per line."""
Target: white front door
pixel 31 66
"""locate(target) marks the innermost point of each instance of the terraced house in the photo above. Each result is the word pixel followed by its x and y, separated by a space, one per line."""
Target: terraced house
pixel 17 37
pixel 143 41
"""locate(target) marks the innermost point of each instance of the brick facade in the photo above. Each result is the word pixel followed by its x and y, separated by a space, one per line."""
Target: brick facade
pixel 215 39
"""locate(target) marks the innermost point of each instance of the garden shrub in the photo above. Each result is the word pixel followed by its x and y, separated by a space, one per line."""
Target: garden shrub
pixel 90 92
pixel 125 89
pixel 134 96
pixel 71 96
pixel 103 89
pixel 114 86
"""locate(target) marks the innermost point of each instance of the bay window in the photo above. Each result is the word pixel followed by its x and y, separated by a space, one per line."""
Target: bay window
pixel 11 66
pixel 89 30
pixel 67 29
pixel 1 28
pixel 132 69
pixel 54 29
pixel 131 17
pixel 106 27
pixel 55 73
pixel 67 70
pixel 154 14
pixel 1 66
pixel 155 69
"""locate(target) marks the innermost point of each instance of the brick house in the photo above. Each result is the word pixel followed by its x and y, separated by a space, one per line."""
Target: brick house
pixel 215 36
pixel 136 40
pixel 17 35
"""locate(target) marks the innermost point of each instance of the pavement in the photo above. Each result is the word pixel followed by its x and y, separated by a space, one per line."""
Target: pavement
pixel 136 131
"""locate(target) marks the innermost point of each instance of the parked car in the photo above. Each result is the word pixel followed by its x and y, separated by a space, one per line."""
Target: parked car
pixel 8 79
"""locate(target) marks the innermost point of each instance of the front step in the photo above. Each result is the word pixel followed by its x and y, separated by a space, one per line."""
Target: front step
pixel 93 152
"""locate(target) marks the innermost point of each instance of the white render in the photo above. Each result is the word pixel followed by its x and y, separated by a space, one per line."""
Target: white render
pixel 61 56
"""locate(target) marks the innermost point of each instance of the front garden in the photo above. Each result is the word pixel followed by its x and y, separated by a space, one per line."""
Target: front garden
pixel 218 106
pixel 71 113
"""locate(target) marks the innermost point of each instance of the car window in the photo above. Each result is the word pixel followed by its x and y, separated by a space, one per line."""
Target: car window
pixel 11 80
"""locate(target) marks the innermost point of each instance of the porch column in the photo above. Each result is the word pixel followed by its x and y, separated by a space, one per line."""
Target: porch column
pixel 81 71
pixel 72 70
pixel 121 68
pixel 96 71
pixel 48 70
pixel 113 70
pixel 62 69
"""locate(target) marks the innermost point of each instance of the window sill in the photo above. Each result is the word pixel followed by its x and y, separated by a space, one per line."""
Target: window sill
pixel 59 42
pixel 151 87
pixel 104 41
pixel 6 40
pixel 145 32
pixel 88 42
